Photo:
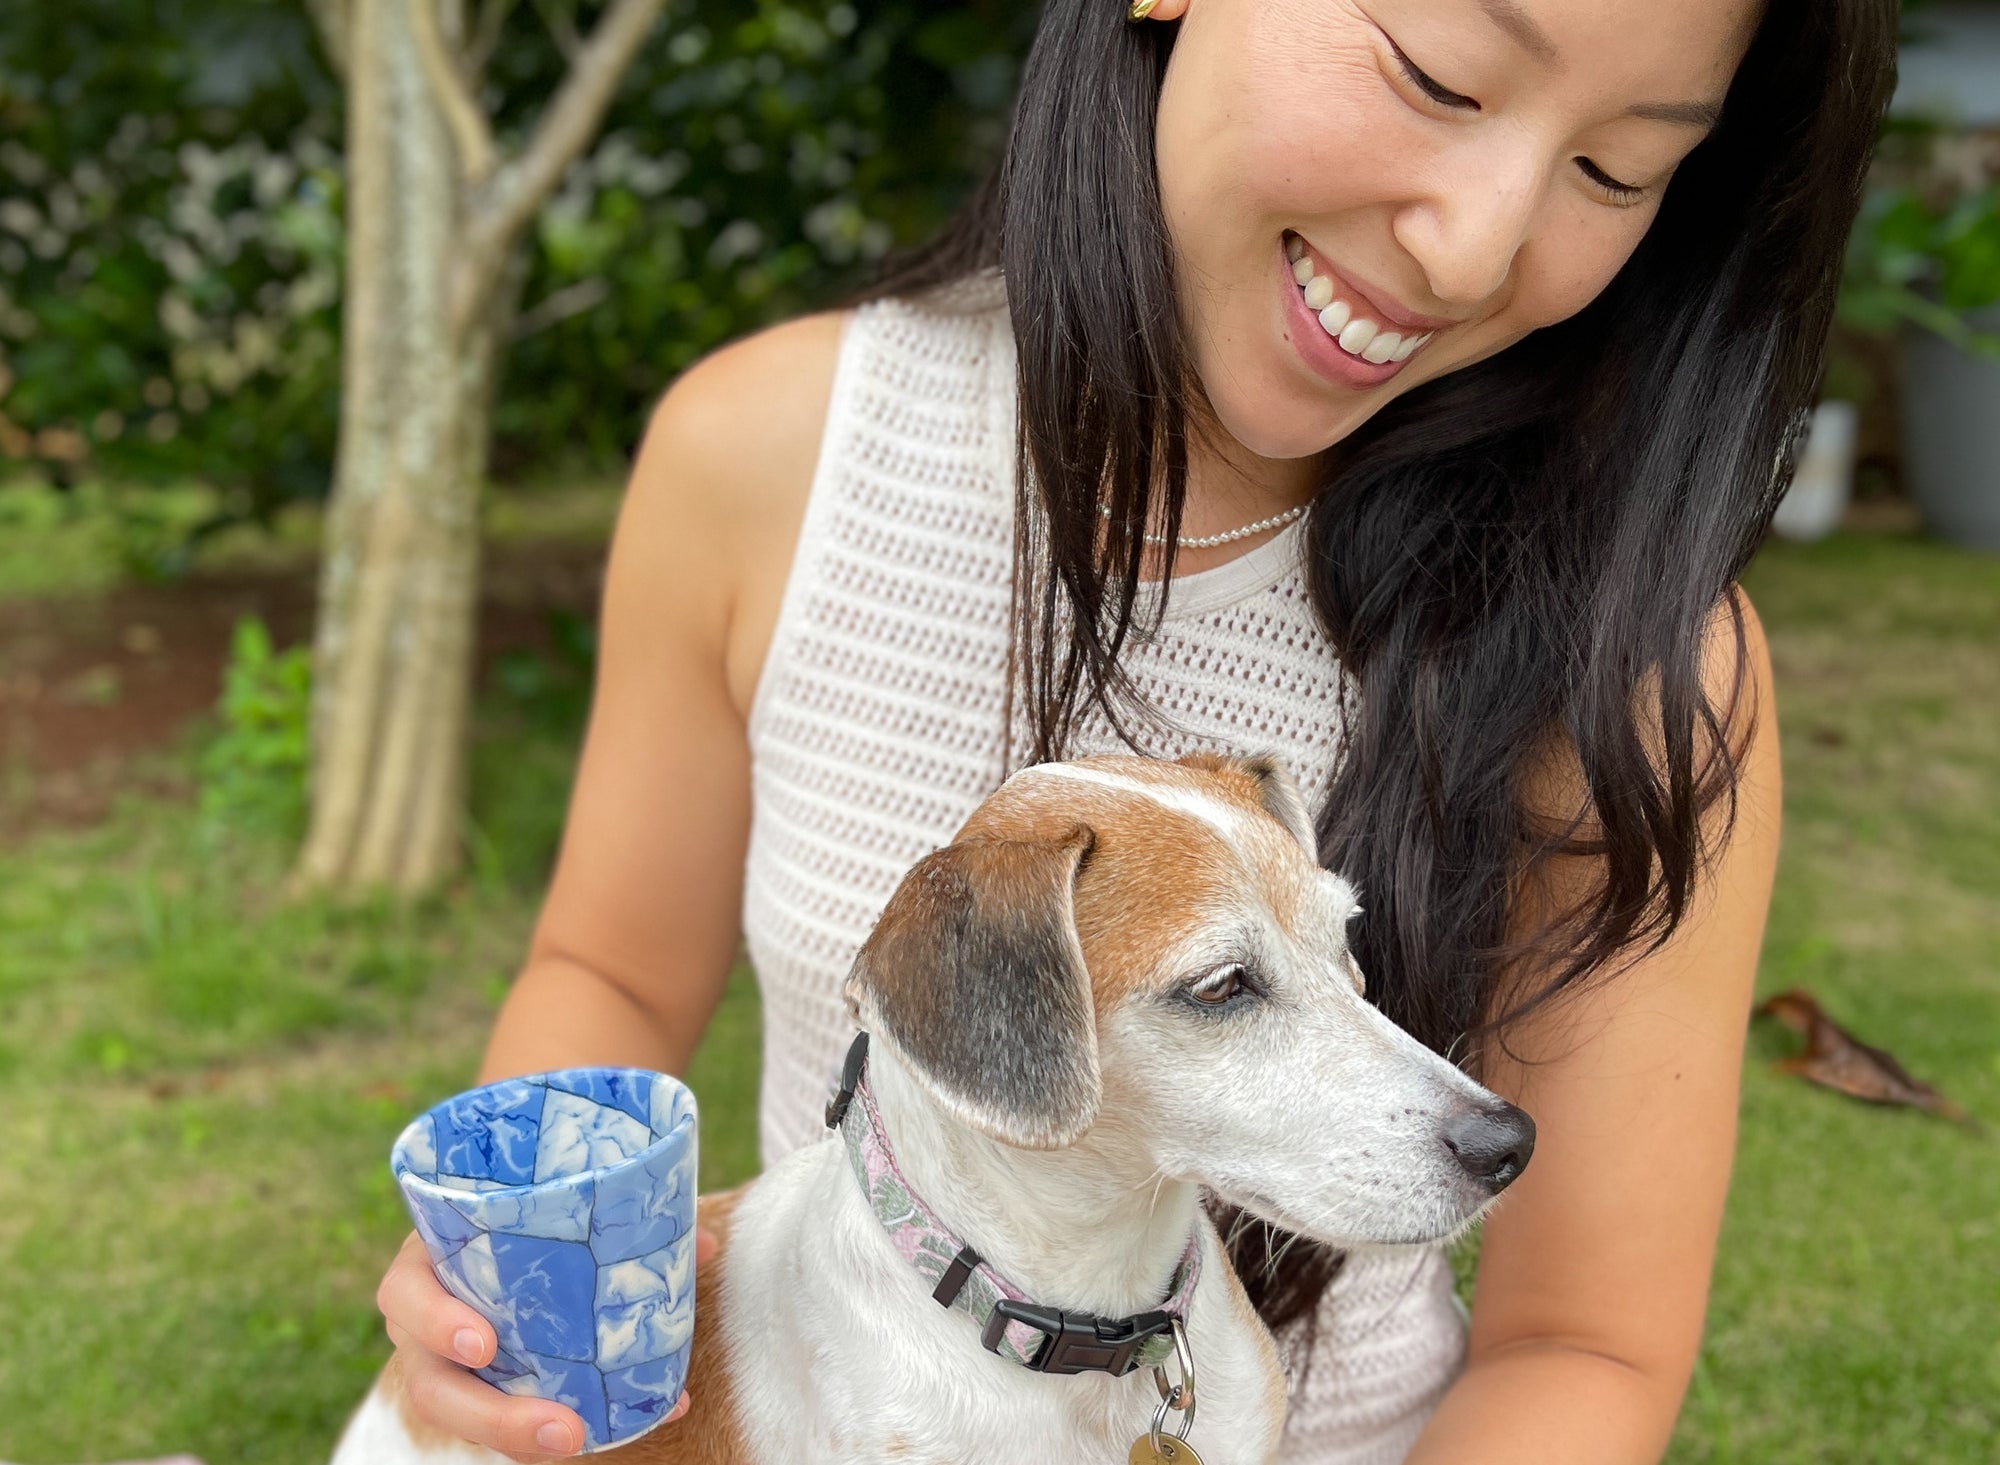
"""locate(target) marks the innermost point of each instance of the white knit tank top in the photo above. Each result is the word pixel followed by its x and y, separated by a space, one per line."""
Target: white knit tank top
pixel 876 727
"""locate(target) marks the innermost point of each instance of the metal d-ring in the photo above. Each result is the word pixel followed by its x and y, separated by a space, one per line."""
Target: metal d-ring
pixel 1181 1395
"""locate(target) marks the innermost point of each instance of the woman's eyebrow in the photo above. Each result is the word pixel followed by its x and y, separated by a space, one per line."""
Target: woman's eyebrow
pixel 1695 114
pixel 1529 35
pixel 1523 27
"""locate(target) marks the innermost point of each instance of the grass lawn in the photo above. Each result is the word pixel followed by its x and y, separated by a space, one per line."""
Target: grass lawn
pixel 201 1085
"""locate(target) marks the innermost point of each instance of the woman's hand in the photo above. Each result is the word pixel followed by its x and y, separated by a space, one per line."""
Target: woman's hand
pixel 439 1339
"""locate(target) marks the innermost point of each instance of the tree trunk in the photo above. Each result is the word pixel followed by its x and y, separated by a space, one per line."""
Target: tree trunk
pixel 400 567
pixel 435 211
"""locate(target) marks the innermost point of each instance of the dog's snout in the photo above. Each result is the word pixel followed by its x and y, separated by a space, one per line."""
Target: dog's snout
pixel 1492 1145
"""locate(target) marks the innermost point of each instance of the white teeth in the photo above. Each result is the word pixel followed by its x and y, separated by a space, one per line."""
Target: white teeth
pixel 1382 347
pixel 1357 335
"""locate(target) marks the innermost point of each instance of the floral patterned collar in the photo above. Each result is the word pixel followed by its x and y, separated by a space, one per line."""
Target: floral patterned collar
pixel 1044 1339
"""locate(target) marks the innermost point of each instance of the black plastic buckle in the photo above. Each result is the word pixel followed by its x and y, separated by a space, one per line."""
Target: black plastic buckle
pixel 1077 1342
pixel 850 1079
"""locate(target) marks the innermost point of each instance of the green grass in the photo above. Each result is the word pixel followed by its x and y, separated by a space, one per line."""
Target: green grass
pixel 1854 1309
pixel 201 1084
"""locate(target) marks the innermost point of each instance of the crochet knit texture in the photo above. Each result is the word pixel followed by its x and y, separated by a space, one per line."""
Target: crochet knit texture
pixel 877 727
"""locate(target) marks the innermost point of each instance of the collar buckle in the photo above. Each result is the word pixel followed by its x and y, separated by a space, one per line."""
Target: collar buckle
pixel 1077 1342
pixel 850 1080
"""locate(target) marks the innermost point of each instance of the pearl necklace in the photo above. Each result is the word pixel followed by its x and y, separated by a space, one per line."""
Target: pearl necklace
pixel 1209 541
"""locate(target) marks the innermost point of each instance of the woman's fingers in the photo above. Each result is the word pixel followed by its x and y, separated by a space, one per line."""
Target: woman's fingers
pixel 438 1338
pixel 413 1300
pixel 467 1407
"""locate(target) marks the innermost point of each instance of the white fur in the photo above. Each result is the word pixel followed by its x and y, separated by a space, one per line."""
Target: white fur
pixel 1226 819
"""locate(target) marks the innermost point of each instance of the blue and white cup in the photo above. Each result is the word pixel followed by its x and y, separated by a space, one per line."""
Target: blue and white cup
pixel 561 1207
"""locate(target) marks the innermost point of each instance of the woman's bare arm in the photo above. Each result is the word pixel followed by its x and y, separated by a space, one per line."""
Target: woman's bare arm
pixel 640 927
pixel 1594 1268
pixel 639 931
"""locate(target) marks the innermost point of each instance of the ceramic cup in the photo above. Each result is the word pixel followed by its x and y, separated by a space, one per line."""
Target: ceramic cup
pixel 561 1207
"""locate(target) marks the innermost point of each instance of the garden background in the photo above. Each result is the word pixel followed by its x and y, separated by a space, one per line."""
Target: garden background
pixel 201 1075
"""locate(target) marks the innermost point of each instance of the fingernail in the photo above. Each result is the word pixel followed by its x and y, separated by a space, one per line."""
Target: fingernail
pixel 467 1343
pixel 554 1438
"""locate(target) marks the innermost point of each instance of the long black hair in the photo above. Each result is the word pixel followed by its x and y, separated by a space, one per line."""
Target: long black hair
pixel 1522 557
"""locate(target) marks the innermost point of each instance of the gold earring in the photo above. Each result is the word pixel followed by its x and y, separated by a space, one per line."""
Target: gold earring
pixel 1141 9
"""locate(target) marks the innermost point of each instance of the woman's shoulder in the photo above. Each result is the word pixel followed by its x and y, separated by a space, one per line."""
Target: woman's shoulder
pixel 719 490
pixel 734 430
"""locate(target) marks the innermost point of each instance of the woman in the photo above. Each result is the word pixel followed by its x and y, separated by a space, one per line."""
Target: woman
pixel 1374 331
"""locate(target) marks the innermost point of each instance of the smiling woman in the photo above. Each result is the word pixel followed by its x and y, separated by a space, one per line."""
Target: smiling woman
pixel 1525 299
pixel 1521 302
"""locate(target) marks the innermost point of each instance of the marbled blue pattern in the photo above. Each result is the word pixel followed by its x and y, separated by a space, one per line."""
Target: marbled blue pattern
pixel 642 1307
pixel 580 1135
pixel 641 1208
pixel 641 1395
pixel 489 1134
pixel 561 1206
pixel 627 1089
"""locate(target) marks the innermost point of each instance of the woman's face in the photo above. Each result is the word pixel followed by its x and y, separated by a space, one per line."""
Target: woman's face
pixel 1458 205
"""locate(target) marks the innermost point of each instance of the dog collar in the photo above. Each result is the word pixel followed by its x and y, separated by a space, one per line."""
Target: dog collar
pixel 1045 1339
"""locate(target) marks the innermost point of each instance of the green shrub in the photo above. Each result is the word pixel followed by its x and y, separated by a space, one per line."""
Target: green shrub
pixel 253 772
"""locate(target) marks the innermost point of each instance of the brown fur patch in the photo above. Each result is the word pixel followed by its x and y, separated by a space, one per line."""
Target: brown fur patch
pixel 1154 871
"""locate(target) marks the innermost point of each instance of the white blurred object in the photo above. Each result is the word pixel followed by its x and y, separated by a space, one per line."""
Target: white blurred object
pixel 1813 506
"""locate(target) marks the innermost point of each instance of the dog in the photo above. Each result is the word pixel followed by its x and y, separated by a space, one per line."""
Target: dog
pixel 1124 981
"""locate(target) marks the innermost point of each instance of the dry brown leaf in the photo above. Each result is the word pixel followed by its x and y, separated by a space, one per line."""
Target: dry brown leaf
pixel 1836 1059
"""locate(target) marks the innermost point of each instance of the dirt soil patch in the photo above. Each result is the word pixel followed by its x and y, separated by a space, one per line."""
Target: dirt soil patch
pixel 91 685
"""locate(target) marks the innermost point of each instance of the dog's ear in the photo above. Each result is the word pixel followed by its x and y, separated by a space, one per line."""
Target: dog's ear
pixel 1275 787
pixel 975 975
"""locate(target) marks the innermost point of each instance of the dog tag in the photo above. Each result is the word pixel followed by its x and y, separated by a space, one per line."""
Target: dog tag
pixel 1169 1451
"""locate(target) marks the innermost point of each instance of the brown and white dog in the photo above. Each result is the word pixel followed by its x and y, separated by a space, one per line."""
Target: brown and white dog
pixel 1125 980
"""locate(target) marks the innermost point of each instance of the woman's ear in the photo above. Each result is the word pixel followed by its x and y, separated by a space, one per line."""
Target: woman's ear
pixel 974 974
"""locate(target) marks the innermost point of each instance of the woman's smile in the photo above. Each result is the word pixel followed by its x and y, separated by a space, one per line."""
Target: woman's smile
pixel 1345 334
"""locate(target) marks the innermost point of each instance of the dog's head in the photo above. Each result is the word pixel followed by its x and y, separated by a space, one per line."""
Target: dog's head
pixel 1151 949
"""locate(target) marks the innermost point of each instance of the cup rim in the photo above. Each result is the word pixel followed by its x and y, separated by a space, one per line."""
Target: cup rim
pixel 408 1177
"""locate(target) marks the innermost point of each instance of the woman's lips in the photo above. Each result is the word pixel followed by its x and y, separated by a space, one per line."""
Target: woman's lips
pixel 1318 349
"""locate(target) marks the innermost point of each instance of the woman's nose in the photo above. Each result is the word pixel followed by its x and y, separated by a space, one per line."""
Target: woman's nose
pixel 1467 228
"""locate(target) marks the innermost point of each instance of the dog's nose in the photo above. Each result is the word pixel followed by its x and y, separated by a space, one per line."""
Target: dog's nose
pixel 1493 1146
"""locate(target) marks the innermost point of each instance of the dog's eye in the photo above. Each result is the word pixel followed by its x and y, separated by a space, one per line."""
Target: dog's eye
pixel 1219 985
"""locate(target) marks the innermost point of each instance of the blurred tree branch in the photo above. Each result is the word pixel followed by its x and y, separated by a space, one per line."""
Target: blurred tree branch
pixel 561 22
pixel 509 198
pixel 470 132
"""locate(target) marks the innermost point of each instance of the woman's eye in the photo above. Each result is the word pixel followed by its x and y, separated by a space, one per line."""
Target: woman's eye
pixel 1625 192
pixel 1219 986
pixel 1441 95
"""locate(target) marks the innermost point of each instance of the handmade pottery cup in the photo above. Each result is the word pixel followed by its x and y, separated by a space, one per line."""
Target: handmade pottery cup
pixel 561 1207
